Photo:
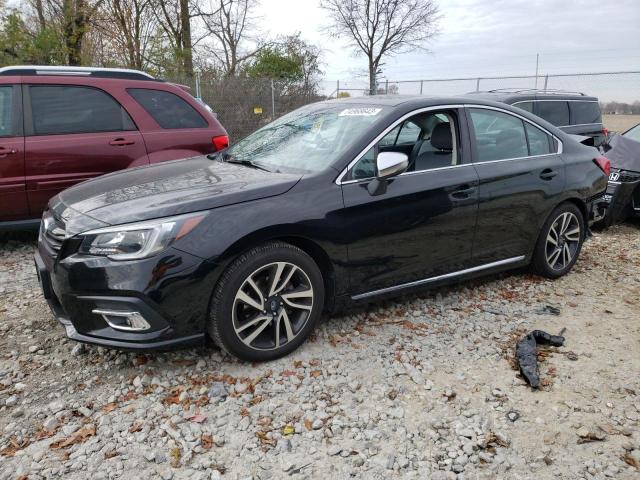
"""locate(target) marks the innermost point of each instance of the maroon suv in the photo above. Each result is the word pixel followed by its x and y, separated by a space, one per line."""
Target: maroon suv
pixel 62 125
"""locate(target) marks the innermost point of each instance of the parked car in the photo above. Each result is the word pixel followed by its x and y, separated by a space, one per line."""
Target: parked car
pixel 336 203
pixel 572 112
pixel 63 125
pixel 623 191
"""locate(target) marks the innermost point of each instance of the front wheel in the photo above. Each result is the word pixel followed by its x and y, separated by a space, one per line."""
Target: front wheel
pixel 560 242
pixel 267 302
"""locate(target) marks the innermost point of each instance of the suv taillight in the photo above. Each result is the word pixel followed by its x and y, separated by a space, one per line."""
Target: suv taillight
pixel 604 164
pixel 220 142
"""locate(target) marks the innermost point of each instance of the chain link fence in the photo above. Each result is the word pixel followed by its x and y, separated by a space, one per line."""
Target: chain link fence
pixel 245 104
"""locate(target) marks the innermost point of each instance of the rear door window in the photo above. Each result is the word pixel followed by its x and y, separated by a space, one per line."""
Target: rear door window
pixel 168 109
pixel 498 136
pixel 526 106
pixel 555 112
pixel 65 109
pixel 539 142
pixel 583 113
pixel 6 111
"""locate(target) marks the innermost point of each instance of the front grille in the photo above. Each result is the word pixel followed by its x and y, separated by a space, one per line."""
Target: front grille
pixel 52 231
pixel 626 176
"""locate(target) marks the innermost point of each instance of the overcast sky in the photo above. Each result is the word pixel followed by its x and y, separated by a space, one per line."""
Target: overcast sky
pixel 487 38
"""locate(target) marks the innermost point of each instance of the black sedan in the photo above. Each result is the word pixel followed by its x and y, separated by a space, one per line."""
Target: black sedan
pixel 336 203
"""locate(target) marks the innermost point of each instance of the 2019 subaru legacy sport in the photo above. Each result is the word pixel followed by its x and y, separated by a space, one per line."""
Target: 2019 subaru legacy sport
pixel 335 203
pixel 62 125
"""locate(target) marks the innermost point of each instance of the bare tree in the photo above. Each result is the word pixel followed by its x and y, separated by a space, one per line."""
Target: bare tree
pixel 175 17
pixel 382 28
pixel 228 24
pixel 130 26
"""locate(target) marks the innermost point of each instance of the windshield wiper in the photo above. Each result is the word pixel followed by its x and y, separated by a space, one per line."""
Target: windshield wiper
pixel 246 163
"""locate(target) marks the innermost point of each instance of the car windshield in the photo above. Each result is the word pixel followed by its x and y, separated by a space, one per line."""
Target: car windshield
pixel 633 133
pixel 306 140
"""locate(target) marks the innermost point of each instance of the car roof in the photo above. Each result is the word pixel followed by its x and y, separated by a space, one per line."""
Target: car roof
pixel 418 101
pixel 83 72
pixel 506 96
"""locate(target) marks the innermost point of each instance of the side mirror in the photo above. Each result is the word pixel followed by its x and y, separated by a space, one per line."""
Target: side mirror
pixel 389 164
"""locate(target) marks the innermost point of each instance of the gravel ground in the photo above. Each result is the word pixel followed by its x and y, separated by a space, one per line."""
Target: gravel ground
pixel 420 387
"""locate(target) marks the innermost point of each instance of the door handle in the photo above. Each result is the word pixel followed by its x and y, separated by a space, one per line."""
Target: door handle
pixel 463 192
pixel 548 174
pixel 7 151
pixel 121 142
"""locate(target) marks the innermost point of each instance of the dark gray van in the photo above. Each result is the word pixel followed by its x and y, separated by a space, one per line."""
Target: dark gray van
pixel 573 112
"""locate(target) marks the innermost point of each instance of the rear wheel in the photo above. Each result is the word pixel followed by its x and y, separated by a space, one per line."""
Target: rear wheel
pixel 560 242
pixel 267 302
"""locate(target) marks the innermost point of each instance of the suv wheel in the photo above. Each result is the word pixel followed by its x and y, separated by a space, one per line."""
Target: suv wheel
pixel 266 303
pixel 560 242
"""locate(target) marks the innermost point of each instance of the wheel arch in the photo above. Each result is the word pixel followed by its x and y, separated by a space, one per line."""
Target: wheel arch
pixel 287 235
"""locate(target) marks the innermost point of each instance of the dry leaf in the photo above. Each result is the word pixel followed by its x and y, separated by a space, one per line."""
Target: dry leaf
pixel 176 455
pixel 78 437
pixel 197 418
pixel 262 436
pixel 183 362
pixel 13 448
pixel 135 427
pixel 316 373
pixel 109 407
pixel 630 460
pixel 288 430
pixel 110 454
pixel 207 441
pixel 308 424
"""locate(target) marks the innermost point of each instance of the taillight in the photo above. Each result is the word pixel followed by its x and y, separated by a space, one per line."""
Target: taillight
pixel 605 131
pixel 604 164
pixel 220 142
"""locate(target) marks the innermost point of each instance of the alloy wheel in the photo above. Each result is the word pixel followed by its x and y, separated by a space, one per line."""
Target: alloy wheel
pixel 563 241
pixel 272 306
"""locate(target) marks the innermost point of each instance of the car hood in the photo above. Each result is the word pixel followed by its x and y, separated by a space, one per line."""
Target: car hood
pixel 165 189
pixel 623 152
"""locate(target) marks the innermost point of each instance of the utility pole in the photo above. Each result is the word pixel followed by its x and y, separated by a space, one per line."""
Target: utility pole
pixel 537 60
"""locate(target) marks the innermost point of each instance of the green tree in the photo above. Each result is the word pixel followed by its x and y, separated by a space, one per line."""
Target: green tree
pixel 276 63
pixel 19 46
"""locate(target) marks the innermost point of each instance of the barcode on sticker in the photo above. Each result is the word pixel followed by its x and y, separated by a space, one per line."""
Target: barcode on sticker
pixel 359 112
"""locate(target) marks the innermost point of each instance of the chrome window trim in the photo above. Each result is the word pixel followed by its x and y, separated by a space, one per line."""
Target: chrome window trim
pixel 553 100
pixel 579 125
pixel 445 276
pixel 338 180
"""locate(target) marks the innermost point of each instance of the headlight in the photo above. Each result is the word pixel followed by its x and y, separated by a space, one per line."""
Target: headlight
pixel 138 240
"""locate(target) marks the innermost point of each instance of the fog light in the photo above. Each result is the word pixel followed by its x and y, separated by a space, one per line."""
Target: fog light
pixel 124 321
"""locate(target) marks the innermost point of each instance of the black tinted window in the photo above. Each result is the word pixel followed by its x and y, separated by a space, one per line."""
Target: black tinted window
pixel 498 135
pixel 554 112
pixel 585 112
pixel 6 111
pixel 168 109
pixel 59 109
pixel 539 142
pixel 526 106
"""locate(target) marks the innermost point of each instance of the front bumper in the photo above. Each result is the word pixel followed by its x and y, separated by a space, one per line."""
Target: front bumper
pixel 622 196
pixel 169 291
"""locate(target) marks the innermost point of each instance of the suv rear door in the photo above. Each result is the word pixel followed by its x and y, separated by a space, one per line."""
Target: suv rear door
pixel 73 133
pixel 13 196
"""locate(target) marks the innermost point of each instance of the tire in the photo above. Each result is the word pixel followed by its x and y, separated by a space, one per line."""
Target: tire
pixel 284 320
pixel 547 260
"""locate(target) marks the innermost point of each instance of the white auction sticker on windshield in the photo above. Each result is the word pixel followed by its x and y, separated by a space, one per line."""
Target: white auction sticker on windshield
pixel 359 112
